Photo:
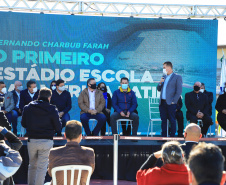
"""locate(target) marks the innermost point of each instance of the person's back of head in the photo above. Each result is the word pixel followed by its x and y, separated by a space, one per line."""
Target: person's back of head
pixel 172 153
pixel 73 131
pixel 206 163
pixel 192 132
pixel 45 94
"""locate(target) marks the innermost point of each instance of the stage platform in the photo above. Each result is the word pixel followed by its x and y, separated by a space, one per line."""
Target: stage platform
pixel 133 151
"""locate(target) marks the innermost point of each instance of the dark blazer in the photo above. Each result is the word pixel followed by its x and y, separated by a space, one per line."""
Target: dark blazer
pixel 210 100
pixel 221 104
pixel 4 123
pixel 41 119
pixel 15 99
pixel 25 98
pixel 194 105
pixel 173 89
pixel 73 154
pixel 187 147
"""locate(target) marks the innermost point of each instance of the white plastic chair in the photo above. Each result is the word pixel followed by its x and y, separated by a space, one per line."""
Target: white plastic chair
pixel 22 129
pixel 154 112
pixel 119 122
pixel 72 168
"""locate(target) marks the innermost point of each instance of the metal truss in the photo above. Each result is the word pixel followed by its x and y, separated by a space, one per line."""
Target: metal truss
pixel 114 8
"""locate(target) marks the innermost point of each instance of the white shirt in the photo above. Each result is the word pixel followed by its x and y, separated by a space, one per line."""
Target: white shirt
pixel 31 95
pixel 91 99
pixel 18 102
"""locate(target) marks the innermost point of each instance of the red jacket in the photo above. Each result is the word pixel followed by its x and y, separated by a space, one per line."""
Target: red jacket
pixel 168 174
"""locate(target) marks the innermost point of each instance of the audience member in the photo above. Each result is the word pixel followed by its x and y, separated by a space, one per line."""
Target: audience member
pixel 53 85
pixel 73 153
pixel 10 159
pixel 206 164
pixel 192 135
pixel 221 109
pixel 170 87
pixel 173 171
pixel 62 99
pixel 209 95
pixel 41 119
pixel 107 109
pixel 29 94
pixel 91 102
pixel 180 118
pixel 16 112
pixel 124 102
pixel 198 107
pixel 8 101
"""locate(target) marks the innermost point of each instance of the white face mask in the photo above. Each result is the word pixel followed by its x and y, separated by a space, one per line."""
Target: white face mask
pixel 4 90
pixel 62 88
pixel 53 88
pixel 35 90
pixel 201 90
pixel 164 72
pixel 20 88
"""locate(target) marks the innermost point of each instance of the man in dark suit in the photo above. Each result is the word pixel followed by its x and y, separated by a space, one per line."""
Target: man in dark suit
pixel 209 95
pixel 192 135
pixel 197 105
pixel 16 112
pixel 170 87
pixel 29 94
pixel 73 153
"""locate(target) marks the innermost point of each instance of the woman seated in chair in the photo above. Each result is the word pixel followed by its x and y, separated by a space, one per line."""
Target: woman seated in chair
pixel 173 170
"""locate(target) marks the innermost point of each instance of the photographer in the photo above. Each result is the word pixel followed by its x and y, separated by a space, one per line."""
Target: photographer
pixel 124 102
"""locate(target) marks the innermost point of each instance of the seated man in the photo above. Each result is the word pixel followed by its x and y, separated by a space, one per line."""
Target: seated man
pixel 29 94
pixel 73 153
pixel 192 135
pixel 124 102
pixel 16 111
pixel 206 163
pixel 8 105
pixel 173 171
pixel 209 95
pixel 10 159
pixel 198 108
pixel 62 99
pixel 91 102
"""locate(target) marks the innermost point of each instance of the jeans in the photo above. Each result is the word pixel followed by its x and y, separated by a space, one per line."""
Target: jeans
pixel 15 115
pixel 168 112
pixel 101 120
pixel 133 116
pixel 9 116
pixel 64 119
pixel 38 151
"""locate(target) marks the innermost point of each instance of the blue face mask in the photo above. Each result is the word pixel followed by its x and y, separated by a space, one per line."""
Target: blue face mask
pixel 124 86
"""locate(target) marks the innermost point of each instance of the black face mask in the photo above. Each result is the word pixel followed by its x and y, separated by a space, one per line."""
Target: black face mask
pixel 93 86
pixel 104 89
pixel 196 88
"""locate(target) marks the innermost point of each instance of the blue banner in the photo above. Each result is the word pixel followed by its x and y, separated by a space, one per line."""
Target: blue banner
pixel 74 48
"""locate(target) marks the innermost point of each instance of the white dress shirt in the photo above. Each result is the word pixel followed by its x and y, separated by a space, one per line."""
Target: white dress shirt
pixel 18 101
pixel 91 99
pixel 31 95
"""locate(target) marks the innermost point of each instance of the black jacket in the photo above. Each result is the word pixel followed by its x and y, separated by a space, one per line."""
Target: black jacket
pixel 4 123
pixel 15 99
pixel 25 98
pixel 179 104
pixel 62 101
pixel 210 100
pixel 187 147
pixel 194 105
pixel 41 119
pixel 221 104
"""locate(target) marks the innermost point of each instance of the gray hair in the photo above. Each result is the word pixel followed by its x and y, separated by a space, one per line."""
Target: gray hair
pixel 172 153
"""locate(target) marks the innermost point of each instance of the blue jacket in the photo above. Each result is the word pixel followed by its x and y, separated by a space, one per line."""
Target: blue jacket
pixel 124 101
pixel 62 101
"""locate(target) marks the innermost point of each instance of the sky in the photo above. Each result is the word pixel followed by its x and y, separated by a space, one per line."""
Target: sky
pixel 221 21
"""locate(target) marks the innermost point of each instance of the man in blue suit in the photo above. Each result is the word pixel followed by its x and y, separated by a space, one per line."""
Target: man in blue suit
pixel 170 87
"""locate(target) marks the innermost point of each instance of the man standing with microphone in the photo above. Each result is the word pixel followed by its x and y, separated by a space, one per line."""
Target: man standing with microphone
pixel 170 87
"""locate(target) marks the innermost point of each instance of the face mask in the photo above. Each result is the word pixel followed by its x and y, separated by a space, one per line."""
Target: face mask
pixel 35 90
pixel 202 90
pixel 104 89
pixel 124 86
pixel 20 88
pixel 93 86
pixel 196 88
pixel 164 72
pixel 4 90
pixel 53 87
pixel 63 88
